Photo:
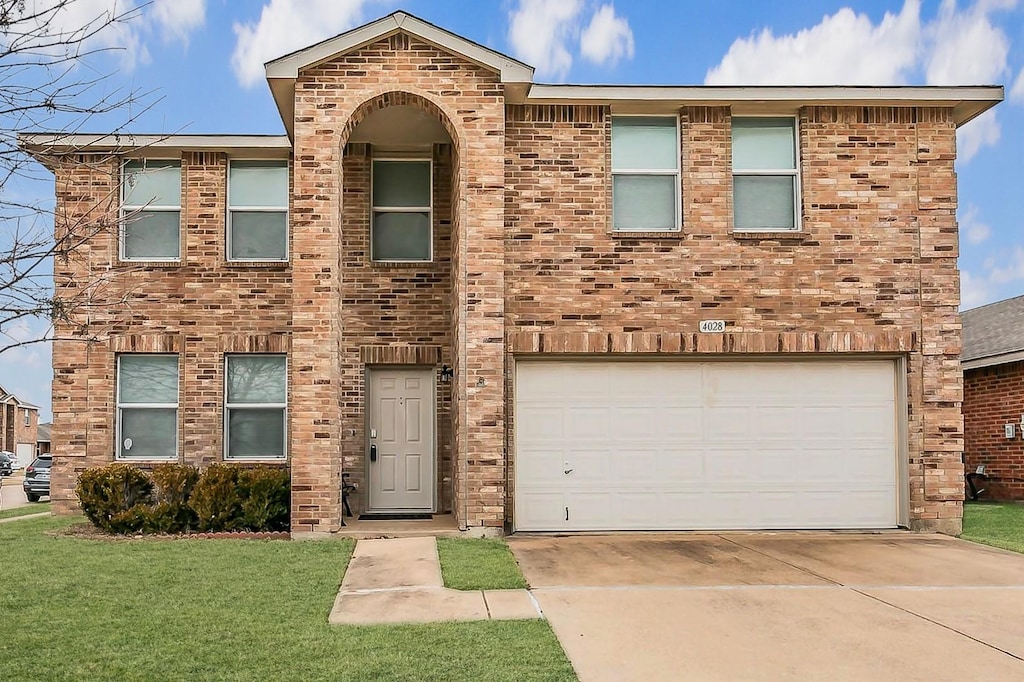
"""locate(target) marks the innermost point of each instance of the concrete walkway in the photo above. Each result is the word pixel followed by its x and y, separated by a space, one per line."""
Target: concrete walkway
pixel 25 516
pixel 399 581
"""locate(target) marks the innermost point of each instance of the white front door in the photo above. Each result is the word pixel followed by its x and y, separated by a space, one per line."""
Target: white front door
pixel 401 439
pixel 690 445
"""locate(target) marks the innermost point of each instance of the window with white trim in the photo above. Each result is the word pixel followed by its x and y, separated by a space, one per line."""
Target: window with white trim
pixel 151 210
pixel 28 418
pixel 765 185
pixel 257 211
pixel 255 406
pixel 645 174
pixel 402 209
pixel 147 406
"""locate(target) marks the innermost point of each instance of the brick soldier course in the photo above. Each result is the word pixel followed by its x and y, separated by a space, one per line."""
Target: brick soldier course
pixel 525 262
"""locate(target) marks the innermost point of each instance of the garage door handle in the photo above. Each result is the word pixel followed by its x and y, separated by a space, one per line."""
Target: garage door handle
pixel 567 471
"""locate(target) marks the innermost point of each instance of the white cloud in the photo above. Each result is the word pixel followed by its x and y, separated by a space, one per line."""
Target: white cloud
pixel 964 47
pixel 1008 269
pixel 956 47
pixel 607 38
pixel 59 27
pixel 973 291
pixel 845 48
pixel 972 228
pixel 285 26
pixel 540 31
pixel 178 18
pixel 1017 91
pixel 1000 276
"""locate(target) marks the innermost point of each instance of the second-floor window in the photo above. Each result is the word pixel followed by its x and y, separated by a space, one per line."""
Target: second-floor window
pixel 400 224
pixel 258 211
pixel 764 174
pixel 645 174
pixel 28 418
pixel 147 406
pixel 151 210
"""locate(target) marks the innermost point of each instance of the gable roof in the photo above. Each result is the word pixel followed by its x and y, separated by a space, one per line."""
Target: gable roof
pixel 993 334
pixel 282 72
pixel 43 432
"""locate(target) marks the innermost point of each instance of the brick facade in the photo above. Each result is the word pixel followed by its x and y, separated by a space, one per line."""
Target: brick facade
pixel 525 263
pixel 994 397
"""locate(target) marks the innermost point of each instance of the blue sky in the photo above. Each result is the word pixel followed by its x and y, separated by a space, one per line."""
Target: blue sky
pixel 203 59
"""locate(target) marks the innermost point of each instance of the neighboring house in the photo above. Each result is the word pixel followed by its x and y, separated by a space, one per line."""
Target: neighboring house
pixel 537 307
pixel 18 423
pixel 43 439
pixel 993 364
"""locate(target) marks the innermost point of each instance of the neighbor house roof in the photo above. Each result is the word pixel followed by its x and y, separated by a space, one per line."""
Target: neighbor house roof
pixel 43 433
pixel 993 334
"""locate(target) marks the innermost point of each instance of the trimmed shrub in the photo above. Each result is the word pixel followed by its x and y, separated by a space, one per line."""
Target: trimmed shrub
pixel 216 499
pixel 174 485
pixel 266 498
pixel 111 496
pixel 177 498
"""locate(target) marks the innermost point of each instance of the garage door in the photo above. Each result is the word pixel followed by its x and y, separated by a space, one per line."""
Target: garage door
pixel 705 445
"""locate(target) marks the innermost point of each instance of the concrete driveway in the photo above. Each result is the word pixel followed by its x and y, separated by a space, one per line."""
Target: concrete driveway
pixel 780 606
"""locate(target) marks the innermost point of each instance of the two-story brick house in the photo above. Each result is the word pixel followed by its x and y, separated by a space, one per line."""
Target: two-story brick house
pixel 19 420
pixel 537 307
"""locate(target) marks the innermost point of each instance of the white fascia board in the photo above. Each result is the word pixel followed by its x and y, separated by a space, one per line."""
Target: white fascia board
pixel 966 101
pixel 993 360
pixel 510 70
pixel 58 143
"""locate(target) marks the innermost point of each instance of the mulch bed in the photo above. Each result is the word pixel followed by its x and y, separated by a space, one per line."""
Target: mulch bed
pixel 90 532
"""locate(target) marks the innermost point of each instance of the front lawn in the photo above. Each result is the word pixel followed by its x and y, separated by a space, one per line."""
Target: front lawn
pixel 1000 524
pixel 25 510
pixel 77 609
pixel 478 564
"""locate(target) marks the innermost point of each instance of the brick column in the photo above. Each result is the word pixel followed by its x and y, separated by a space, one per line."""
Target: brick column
pixel 938 502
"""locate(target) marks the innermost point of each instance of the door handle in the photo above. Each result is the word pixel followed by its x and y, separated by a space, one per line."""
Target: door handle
pixel 373 452
pixel 567 471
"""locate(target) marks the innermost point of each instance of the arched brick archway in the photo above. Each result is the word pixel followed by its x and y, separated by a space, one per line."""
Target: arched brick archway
pixel 394 98
pixel 377 301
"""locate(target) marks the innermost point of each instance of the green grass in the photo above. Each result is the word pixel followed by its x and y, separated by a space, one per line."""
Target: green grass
pixel 26 510
pixel 478 564
pixel 79 609
pixel 994 523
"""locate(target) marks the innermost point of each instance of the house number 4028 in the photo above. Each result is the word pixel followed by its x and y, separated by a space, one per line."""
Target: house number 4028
pixel 712 326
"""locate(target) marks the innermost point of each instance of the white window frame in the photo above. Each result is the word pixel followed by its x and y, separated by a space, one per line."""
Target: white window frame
pixel 254 406
pixel 28 418
pixel 142 406
pixel 647 171
pixel 126 209
pixel 259 209
pixel 789 172
pixel 429 210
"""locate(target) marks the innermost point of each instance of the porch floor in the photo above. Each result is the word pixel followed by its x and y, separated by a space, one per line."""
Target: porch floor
pixel 441 525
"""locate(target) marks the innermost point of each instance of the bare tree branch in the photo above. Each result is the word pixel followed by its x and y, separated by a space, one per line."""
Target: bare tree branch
pixel 49 83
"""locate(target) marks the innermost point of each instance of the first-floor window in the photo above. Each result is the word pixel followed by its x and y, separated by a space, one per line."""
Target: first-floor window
pixel 256 399
pixel 147 407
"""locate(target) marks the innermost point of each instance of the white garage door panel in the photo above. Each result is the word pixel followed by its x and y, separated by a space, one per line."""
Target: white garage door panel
pixel 705 445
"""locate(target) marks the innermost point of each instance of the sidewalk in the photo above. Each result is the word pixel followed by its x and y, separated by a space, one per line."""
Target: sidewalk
pixel 399 581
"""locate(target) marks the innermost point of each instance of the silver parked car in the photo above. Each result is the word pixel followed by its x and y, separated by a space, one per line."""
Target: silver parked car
pixel 37 478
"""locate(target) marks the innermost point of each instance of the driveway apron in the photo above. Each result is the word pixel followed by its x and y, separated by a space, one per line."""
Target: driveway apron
pixel 780 606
